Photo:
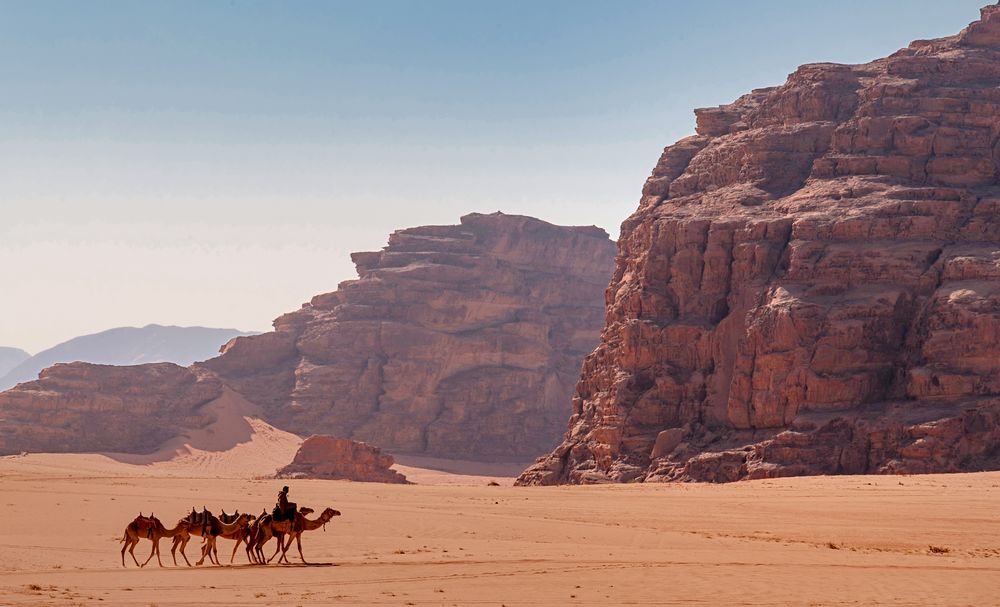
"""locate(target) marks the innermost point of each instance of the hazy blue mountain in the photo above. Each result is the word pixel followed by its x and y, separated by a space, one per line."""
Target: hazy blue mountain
pixel 127 346
pixel 10 358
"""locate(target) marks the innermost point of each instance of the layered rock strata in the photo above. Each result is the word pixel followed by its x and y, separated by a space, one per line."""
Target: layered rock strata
pixel 811 284
pixel 455 341
pixel 460 341
pixel 87 407
pixel 341 459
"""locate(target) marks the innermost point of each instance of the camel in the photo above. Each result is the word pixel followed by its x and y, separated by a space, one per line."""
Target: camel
pixel 252 536
pixel 241 535
pixel 151 528
pixel 263 530
pixel 303 524
pixel 214 528
pixel 197 525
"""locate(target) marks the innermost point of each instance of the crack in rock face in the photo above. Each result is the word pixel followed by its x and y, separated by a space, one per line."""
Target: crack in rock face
pixel 810 285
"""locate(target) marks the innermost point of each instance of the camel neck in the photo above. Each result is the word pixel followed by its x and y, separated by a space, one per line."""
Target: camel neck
pixel 230 527
pixel 318 522
pixel 171 532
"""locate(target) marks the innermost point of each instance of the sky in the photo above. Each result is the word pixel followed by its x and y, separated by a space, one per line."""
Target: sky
pixel 214 163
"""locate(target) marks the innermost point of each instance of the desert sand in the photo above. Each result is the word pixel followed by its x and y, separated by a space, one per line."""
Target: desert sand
pixel 454 540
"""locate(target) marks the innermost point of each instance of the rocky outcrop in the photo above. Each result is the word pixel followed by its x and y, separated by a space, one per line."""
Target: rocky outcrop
pixel 84 407
pixel 460 341
pixel 341 459
pixel 811 284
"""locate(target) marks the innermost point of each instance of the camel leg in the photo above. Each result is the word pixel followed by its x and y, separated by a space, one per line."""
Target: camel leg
pixel 202 559
pixel 259 550
pixel 206 551
pixel 236 547
pixel 284 549
pixel 298 544
pixel 184 543
pixel 213 551
pixel 131 551
pixel 184 555
pixel 128 545
pixel 281 540
pixel 250 546
pixel 157 544
pixel 151 551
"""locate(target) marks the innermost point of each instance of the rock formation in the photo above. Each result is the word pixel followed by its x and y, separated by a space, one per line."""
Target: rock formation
pixel 87 407
pixel 341 459
pixel 459 341
pixel 456 341
pixel 811 284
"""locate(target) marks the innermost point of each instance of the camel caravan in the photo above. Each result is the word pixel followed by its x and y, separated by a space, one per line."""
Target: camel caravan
pixel 287 522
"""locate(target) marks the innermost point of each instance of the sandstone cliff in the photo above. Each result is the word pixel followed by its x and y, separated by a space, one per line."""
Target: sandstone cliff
pixel 341 459
pixel 87 407
pixel 459 341
pixel 811 284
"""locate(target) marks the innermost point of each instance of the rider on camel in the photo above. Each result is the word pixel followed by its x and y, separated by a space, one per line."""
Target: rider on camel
pixel 284 509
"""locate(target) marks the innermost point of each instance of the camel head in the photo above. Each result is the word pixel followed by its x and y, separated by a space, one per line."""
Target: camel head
pixel 328 514
pixel 244 519
pixel 306 510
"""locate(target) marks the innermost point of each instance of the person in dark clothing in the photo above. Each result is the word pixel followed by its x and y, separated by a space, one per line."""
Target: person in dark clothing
pixel 284 510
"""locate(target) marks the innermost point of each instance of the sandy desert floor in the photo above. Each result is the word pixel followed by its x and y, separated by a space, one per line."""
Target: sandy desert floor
pixel 809 541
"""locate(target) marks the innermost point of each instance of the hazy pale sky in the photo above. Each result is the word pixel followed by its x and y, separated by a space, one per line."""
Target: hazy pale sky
pixel 214 163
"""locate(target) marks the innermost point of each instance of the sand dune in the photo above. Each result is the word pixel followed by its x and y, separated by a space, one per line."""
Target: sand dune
pixel 237 444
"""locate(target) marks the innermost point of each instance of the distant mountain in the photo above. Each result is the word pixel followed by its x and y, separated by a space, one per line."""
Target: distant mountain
pixel 125 346
pixel 10 358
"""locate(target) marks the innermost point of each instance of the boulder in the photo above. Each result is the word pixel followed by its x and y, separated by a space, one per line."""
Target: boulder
pixel 341 459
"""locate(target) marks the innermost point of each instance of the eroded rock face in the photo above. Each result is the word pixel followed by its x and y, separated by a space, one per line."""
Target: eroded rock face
pixel 341 459
pixel 811 284
pixel 85 407
pixel 460 341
